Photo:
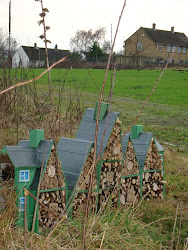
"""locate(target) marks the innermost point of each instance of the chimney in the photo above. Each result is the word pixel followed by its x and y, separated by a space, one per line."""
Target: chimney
pixel 103 110
pixel 56 46
pixel 35 45
pixel 172 29
pixel 36 135
pixel 154 26
pixel 136 130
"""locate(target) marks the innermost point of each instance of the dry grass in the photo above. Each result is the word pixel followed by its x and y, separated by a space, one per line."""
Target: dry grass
pixel 149 225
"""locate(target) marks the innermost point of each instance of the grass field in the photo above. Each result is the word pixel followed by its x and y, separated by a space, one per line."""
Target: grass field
pixel 134 84
pixel 150 224
pixel 166 114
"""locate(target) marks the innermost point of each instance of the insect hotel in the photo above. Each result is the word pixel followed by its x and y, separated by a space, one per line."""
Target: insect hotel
pixel 29 163
pixel 126 170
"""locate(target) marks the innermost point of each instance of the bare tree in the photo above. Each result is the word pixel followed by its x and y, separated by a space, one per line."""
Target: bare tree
pixel 4 47
pixel 83 40
pixel 106 47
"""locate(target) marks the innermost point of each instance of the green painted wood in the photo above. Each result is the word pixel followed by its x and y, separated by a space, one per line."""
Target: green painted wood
pixel 3 151
pixel 133 175
pixel 30 211
pixel 36 135
pixel 98 173
pixel 152 171
pixel 103 110
pixel 107 160
pixel 136 130
pixel 53 189
pixel 20 185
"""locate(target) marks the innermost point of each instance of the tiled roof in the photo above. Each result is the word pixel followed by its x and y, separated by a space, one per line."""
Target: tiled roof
pixel 167 37
pixel 25 156
pixel 53 54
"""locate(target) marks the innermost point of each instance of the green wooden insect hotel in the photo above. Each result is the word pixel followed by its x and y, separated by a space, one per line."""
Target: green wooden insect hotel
pixel 127 171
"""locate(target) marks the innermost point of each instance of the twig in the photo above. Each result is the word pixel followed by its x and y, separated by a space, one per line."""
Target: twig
pixel 38 190
pixel 25 219
pixel 179 228
pixel 142 108
pixel 34 79
pixel 175 222
pixel 96 129
pixel 111 93
pixel 102 239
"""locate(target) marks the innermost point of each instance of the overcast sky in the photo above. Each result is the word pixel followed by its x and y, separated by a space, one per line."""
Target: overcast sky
pixel 68 16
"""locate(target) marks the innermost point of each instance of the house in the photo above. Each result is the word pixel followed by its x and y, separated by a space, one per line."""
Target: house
pixel 35 57
pixel 27 161
pixel 153 46
pixel 126 170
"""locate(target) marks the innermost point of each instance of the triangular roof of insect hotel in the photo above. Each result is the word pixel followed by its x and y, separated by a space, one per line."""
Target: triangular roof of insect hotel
pixel 140 141
pixel 73 152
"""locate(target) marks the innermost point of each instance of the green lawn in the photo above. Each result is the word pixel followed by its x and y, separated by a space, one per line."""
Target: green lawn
pixel 134 84
pixel 166 114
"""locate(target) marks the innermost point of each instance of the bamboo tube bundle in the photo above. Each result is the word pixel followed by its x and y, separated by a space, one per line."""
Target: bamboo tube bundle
pixel 153 184
pixel 116 153
pixel 80 200
pixel 52 173
pixel 110 174
pixel 130 190
pixel 153 158
pixel 53 201
pixel 130 165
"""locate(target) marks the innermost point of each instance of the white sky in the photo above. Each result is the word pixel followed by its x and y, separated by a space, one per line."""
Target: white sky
pixel 68 16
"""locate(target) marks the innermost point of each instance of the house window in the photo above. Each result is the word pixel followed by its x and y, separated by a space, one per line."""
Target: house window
pixel 160 47
pixel 179 50
pixel 24 176
pixel 139 46
pixel 22 204
pixel 168 48
pixel 174 48
pixel 184 50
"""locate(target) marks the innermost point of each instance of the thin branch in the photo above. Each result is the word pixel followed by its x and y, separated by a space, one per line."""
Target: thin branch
pixel 25 220
pixel 35 78
pixel 38 190
pixel 96 130
pixel 142 108
pixel 175 222
pixel 179 227
pixel 111 93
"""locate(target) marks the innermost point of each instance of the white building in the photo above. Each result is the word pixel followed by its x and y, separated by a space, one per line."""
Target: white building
pixel 35 57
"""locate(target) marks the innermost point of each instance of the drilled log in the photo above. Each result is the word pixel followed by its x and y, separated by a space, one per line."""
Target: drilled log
pixel 153 185
pixel 130 190
pixel 53 174
pixel 53 202
pixel 130 165
pixel 153 158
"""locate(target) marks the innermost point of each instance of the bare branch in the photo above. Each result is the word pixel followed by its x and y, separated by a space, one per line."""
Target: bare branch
pixel 34 79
